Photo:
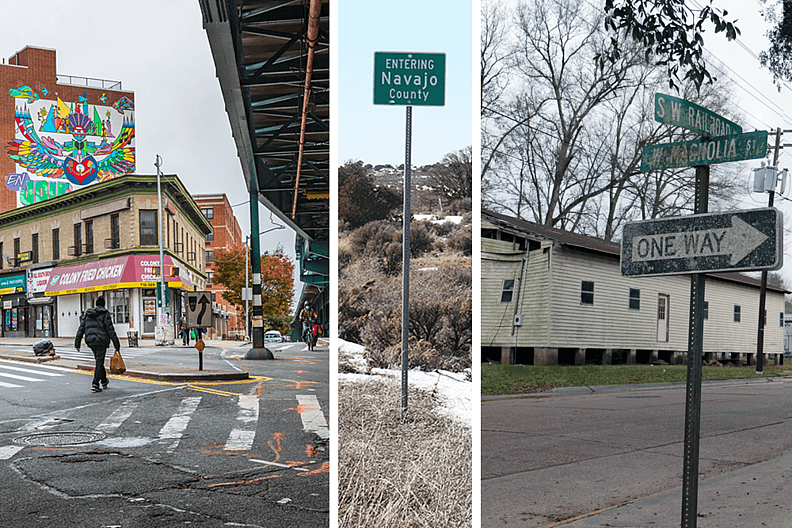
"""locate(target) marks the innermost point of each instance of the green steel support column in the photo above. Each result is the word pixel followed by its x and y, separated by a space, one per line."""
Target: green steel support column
pixel 258 351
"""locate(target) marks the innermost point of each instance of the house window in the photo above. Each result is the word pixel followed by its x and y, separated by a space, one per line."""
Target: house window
pixel 210 237
pixel 587 292
pixel 208 256
pixel 55 244
pixel 736 313
pixel 77 240
pixel 34 248
pixel 148 227
pixel 635 299
pixel 89 245
pixel 209 277
pixel 16 251
pixel 115 232
pixel 508 290
pixel 706 309
pixel 208 212
pixel 781 321
pixel 1 255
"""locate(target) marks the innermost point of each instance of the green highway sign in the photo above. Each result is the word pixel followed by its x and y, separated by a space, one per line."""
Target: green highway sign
pixel 690 116
pixel 735 241
pixel 409 78
pixel 739 147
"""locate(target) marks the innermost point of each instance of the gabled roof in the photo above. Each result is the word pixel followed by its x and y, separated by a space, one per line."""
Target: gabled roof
pixel 538 232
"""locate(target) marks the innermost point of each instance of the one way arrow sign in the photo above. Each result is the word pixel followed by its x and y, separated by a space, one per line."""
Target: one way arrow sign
pixel 737 241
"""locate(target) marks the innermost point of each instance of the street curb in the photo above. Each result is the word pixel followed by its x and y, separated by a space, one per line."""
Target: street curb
pixel 179 376
pixel 35 359
pixel 605 389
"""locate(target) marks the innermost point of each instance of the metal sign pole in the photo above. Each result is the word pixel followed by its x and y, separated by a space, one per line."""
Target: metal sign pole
pixel 406 257
pixel 695 349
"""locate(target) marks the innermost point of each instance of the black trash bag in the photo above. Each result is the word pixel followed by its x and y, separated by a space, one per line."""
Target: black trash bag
pixel 42 347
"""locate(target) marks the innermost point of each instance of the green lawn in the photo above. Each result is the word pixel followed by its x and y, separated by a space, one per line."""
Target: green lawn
pixel 523 379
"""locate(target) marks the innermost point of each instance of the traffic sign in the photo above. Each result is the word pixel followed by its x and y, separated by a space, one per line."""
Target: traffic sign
pixel 737 147
pixel 409 78
pixel 681 113
pixel 736 241
pixel 199 309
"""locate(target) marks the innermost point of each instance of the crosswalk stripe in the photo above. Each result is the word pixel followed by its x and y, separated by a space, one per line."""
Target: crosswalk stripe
pixel 174 427
pixel 33 370
pixel 241 438
pixel 14 376
pixel 118 417
pixel 8 451
pixel 312 417
pixel 10 385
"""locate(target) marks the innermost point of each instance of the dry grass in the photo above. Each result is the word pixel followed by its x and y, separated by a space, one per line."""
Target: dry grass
pixel 394 472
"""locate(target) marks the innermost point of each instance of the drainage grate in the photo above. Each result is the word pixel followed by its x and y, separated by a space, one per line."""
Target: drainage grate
pixel 61 438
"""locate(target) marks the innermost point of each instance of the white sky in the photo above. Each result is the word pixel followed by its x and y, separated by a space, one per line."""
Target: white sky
pixel 159 50
pixel 375 134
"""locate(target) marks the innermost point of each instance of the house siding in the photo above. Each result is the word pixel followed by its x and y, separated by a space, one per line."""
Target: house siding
pixel 554 317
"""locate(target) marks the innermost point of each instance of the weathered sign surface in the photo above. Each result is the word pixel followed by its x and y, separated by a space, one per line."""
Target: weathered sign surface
pixel 690 116
pixel 409 78
pixel 736 241
pixel 751 145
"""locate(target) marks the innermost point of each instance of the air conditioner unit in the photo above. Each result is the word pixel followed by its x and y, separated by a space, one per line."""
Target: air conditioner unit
pixel 518 320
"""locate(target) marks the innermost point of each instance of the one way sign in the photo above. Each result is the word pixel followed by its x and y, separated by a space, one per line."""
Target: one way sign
pixel 199 309
pixel 737 241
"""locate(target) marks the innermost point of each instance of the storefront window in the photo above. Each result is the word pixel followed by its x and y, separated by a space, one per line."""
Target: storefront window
pixel 118 304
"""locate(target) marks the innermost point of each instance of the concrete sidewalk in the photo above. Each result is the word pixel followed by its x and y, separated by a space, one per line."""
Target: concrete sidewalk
pixel 750 496
pixel 153 371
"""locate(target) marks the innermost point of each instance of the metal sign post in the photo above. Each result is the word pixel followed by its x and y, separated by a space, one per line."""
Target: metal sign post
pixel 406 257
pixel 408 79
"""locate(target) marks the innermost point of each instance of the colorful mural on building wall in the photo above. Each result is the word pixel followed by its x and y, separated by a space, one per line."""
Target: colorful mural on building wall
pixel 62 146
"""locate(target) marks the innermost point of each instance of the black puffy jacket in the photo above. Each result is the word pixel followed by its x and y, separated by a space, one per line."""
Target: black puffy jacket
pixel 97 327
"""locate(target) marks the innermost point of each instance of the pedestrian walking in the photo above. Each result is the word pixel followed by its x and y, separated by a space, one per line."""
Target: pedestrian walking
pixel 184 332
pixel 97 327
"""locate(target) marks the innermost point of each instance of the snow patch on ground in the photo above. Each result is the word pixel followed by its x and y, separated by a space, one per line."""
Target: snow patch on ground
pixel 453 391
pixel 438 219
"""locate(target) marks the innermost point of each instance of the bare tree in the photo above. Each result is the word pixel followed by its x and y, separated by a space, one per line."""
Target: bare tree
pixel 453 177
pixel 571 138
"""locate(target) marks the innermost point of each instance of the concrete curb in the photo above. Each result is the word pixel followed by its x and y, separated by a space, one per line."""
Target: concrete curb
pixel 179 376
pixel 605 389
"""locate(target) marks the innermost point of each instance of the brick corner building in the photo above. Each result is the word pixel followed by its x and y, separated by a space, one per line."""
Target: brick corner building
pixel 226 233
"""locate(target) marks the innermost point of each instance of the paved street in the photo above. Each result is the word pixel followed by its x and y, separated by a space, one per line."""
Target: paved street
pixel 159 453
pixel 616 458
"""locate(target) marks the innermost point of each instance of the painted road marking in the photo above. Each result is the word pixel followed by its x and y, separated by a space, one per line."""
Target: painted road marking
pixel 118 417
pixel 312 417
pixel 7 452
pixel 14 376
pixel 174 428
pixel 10 385
pixel 276 464
pixel 241 437
pixel 29 370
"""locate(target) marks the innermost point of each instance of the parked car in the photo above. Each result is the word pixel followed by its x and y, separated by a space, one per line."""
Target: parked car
pixel 273 336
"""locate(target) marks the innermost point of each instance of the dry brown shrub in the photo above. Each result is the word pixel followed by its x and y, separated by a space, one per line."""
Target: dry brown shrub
pixel 394 471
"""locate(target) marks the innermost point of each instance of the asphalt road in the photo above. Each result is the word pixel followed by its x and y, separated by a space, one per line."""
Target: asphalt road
pixel 161 454
pixel 548 460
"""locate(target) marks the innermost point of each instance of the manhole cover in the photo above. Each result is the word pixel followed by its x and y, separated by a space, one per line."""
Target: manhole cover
pixel 61 438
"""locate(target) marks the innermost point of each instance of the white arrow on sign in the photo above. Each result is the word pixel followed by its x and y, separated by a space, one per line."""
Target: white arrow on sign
pixel 739 241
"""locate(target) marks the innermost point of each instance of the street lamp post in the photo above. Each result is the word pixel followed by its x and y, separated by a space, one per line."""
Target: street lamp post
pixel 161 279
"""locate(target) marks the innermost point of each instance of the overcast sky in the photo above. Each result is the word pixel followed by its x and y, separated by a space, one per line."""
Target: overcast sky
pixel 375 134
pixel 159 50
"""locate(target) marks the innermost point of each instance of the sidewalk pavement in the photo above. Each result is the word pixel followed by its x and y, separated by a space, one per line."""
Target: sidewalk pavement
pixel 153 371
pixel 750 496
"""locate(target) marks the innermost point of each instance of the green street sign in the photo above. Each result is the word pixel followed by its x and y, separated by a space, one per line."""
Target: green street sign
pixel 409 79
pixel 738 147
pixel 690 116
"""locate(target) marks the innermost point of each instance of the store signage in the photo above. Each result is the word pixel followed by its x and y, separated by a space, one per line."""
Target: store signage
pixel 134 271
pixel 37 280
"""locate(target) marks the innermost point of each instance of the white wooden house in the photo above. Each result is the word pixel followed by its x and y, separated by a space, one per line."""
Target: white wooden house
pixel 552 297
